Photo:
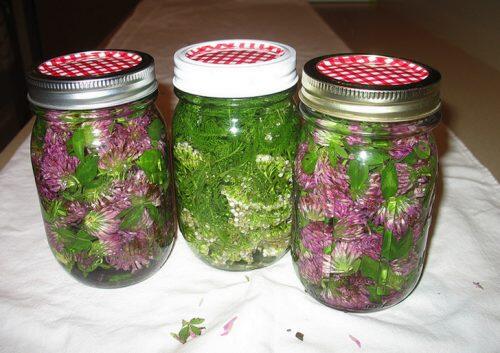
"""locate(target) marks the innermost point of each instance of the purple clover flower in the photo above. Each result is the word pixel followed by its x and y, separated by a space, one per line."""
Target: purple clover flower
pixel 404 266
pixel 56 166
pixel 403 146
pixel 310 205
pixel 371 201
pixel 310 266
pixel 316 236
pixel 351 227
pixel 352 294
pixel 398 213
pixel 369 244
pixel 322 137
pixel 343 258
pixel 128 251
pixel 404 178
pixel 101 131
pixel 76 212
pixel 103 222
pixel 355 140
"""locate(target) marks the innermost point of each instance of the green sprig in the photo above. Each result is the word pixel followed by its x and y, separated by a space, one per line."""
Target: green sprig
pixel 188 328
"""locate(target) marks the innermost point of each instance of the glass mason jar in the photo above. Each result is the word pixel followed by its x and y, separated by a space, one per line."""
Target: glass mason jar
pixel 100 158
pixel 233 153
pixel 365 177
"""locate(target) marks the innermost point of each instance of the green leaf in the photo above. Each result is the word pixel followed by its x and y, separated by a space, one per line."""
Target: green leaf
pixel 196 321
pixel 369 268
pixel 80 241
pixel 389 178
pixel 384 144
pixel 53 210
pixel 386 243
pixel 83 235
pixel 422 150
pixel 155 214
pixel 394 249
pixel 358 173
pixel 39 130
pixel 328 250
pixel 78 143
pixel 309 162
pixel 374 296
pixel 411 158
pixel 131 216
pixel 356 265
pixel 358 177
pixel 339 150
pixel 87 170
pixel 86 269
pixel 156 129
pixel 376 157
pixel 394 281
pixel 332 156
pixel 65 234
pixel 153 164
pixel 184 334
pixel 383 271
pixel 376 292
pixel 98 182
pixel 401 249
pixel 196 330
pixel 98 250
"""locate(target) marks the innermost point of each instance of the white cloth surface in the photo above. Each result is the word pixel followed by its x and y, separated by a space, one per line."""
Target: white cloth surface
pixel 42 309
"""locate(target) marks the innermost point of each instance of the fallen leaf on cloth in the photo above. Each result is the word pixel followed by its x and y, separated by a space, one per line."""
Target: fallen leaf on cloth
pixel 190 329
pixel 478 285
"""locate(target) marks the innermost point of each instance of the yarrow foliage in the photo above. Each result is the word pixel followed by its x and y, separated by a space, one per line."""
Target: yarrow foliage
pixel 233 170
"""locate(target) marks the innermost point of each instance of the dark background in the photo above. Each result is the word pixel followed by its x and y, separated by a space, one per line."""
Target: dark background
pixel 458 37
pixel 34 30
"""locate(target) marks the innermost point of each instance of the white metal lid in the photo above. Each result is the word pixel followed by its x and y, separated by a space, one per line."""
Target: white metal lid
pixel 235 68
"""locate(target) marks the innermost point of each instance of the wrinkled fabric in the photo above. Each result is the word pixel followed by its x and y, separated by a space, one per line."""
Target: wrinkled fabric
pixel 43 309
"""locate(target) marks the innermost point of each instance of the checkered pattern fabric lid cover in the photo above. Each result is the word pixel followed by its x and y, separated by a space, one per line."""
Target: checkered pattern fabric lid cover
pixel 372 70
pixel 232 53
pixel 92 79
pixel 90 64
pixel 366 87
pixel 235 68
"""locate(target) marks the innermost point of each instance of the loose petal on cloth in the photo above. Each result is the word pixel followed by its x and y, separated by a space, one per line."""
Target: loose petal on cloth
pixel 355 340
pixel 228 326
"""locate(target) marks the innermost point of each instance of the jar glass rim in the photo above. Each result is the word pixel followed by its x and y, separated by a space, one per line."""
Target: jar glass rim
pixel 330 122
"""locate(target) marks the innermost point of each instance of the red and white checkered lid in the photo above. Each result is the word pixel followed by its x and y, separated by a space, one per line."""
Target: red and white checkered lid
pixel 372 70
pixel 92 79
pixel 365 87
pixel 235 68
pixel 90 63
